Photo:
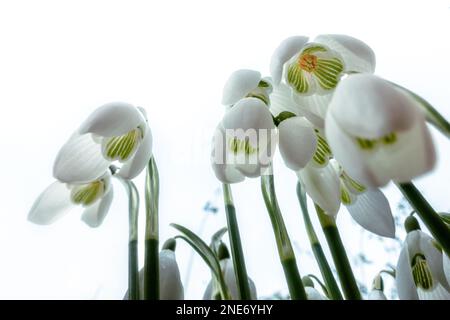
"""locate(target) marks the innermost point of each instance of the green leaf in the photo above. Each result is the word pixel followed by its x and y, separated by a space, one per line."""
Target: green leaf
pixel 207 255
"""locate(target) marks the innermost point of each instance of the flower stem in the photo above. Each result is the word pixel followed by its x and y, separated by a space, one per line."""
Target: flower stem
pixel 343 268
pixel 133 268
pixel 437 227
pixel 285 251
pixel 325 270
pixel 151 265
pixel 235 244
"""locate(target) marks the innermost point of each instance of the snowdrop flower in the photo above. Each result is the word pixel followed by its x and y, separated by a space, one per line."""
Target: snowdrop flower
pixel 305 150
pixel 312 70
pixel 59 198
pixel 330 186
pixel 246 84
pixel 377 133
pixel 377 289
pixel 231 282
pixel 244 141
pixel 311 292
pixel 420 273
pixel 115 132
pixel 170 285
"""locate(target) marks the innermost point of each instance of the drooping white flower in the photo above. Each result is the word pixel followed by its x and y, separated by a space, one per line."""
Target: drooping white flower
pixel 230 280
pixel 246 83
pixel 311 70
pixel 330 186
pixel 115 132
pixel 244 141
pixel 59 198
pixel 170 285
pixel 377 289
pixel 420 273
pixel 377 132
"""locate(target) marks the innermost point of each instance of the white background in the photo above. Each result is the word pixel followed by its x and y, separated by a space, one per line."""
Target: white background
pixel 61 59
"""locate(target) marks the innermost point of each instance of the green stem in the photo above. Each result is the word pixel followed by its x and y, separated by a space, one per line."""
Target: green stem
pixel 285 251
pixel 151 265
pixel 438 228
pixel 325 270
pixel 236 246
pixel 343 268
pixel 432 115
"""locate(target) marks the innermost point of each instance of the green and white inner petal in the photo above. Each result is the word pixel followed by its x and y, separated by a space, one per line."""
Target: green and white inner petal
pixel 421 272
pixel 323 152
pixel 123 147
pixel 87 194
pixel 315 70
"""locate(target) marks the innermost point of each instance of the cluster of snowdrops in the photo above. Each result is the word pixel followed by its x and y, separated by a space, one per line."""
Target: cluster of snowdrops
pixel 342 130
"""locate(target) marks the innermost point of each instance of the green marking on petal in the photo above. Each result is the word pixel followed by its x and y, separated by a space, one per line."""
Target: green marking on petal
pixel 390 138
pixel 261 96
pixel 313 49
pixel 366 144
pixel 346 198
pixel 328 71
pixel 297 79
pixel 264 84
pixel 323 151
pixel 122 147
pixel 421 272
pixel 352 184
pixel 87 194
pixel 241 146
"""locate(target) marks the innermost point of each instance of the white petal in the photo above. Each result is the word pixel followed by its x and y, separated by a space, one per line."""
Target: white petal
pixel 286 50
pixel 404 281
pixel 434 259
pixel 170 284
pixel 227 173
pixel 113 119
pixel 314 294
pixel 94 214
pixel 412 155
pixel 370 107
pixel 248 113
pixel 80 160
pixel 239 84
pixel 438 293
pixel 446 266
pixel 281 100
pixel 224 172
pixel 52 204
pixel 323 186
pixel 314 107
pixel 297 142
pixel 352 158
pixel 357 55
pixel 372 211
pixel 134 166
pixel 376 295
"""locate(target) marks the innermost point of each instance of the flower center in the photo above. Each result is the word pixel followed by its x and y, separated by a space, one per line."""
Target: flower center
pixel 122 147
pixel 241 146
pixel 87 194
pixel 421 272
pixel 307 62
